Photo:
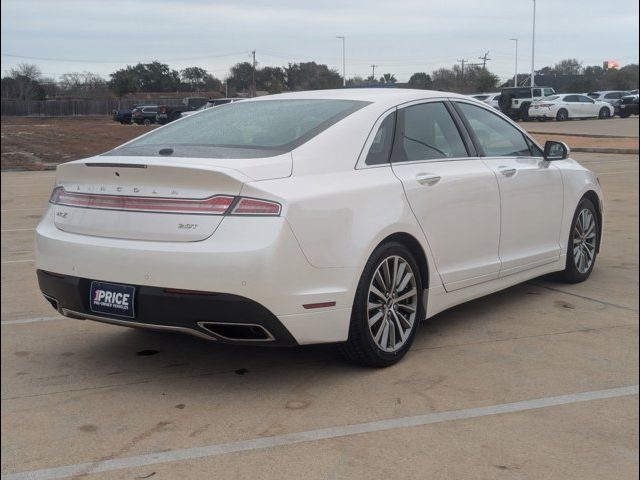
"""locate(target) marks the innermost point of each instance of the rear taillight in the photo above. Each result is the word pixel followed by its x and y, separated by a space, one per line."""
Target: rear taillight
pixel 255 206
pixel 215 205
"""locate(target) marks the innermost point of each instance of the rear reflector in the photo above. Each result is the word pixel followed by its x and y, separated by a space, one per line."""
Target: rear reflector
pixel 319 305
pixel 215 205
pixel 179 291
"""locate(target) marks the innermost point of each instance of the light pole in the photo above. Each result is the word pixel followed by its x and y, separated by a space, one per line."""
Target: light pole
pixel 344 74
pixel 515 75
pixel 533 47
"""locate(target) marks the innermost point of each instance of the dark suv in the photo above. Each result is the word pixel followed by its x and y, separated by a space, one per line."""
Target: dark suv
pixel 144 115
pixel 628 105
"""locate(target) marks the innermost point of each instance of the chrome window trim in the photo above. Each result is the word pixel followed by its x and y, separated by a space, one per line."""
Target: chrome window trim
pixel 360 164
pixel 436 160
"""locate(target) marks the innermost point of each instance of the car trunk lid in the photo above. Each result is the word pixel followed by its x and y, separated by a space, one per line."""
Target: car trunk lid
pixel 153 199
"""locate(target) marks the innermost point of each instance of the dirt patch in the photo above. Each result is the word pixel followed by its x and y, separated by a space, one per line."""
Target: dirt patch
pixel 36 143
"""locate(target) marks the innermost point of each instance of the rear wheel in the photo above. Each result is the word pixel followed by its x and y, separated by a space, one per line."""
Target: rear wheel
pixel 562 115
pixel 583 243
pixel 147 121
pixel 604 113
pixel 387 308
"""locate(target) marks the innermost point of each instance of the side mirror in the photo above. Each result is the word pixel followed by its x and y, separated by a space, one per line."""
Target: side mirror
pixel 555 150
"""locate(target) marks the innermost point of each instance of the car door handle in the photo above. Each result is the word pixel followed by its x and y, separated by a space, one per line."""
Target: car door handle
pixel 427 179
pixel 507 172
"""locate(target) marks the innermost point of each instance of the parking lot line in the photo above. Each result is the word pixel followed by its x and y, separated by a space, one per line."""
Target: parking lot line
pixel 31 320
pixel 315 435
pixel 9 230
pixel 16 261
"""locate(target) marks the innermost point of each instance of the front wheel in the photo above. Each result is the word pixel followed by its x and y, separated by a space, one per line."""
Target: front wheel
pixel 604 113
pixel 387 308
pixel 583 243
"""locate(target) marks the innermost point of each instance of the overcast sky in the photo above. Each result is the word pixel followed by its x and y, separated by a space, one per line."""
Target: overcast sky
pixel 400 36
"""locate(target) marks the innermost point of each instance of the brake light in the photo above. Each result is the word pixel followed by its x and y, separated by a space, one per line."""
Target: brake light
pixel 255 206
pixel 215 205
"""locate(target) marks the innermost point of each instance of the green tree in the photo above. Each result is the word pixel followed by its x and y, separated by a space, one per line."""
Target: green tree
pixel 145 77
pixel 194 77
pixel 445 79
pixel 420 80
pixel 311 76
pixel 240 77
pixel 478 79
pixel 271 79
pixel 568 66
pixel 388 78
pixel 124 81
pixel 357 80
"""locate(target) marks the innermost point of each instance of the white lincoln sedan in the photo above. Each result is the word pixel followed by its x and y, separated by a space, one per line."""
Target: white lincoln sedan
pixel 344 216
pixel 568 106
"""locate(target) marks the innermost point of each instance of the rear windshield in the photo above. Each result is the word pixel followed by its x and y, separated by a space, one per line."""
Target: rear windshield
pixel 244 129
pixel 550 98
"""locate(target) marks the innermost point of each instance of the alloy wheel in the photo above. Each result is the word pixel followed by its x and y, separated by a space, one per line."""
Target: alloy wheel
pixel 584 240
pixel 392 303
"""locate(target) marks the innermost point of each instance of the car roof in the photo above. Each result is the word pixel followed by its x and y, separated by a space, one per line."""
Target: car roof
pixel 381 96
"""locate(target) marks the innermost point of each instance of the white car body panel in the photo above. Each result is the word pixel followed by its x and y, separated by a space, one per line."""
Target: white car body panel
pixel 479 231
pixel 544 108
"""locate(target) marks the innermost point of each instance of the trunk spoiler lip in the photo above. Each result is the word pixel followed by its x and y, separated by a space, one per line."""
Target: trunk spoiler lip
pixel 116 165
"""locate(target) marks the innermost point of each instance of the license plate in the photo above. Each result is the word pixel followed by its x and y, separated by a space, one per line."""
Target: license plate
pixel 112 299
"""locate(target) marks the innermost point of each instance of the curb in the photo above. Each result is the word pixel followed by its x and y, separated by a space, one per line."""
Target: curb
pixel 586 135
pixel 605 150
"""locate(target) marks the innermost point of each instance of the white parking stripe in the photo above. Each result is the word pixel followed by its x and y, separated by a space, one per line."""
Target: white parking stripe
pixel 314 435
pixel 31 320
pixel 18 230
pixel 617 173
pixel 4 210
pixel 16 261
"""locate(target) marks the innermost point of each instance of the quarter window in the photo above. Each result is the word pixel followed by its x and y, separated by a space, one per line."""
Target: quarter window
pixel 497 137
pixel 427 132
pixel 380 149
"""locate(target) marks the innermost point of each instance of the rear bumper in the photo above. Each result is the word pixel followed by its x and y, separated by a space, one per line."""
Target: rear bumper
pixel 214 316
pixel 255 259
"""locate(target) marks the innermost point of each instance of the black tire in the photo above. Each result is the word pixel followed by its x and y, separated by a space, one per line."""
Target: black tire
pixel 604 113
pixel 571 273
pixel 504 102
pixel 360 348
pixel 523 112
pixel 147 121
pixel 562 115
pixel 625 115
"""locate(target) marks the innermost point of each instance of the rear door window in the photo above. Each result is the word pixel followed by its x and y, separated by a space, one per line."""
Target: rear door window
pixel 427 132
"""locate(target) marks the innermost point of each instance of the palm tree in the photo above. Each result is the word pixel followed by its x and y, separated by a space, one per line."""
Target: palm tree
pixel 388 78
